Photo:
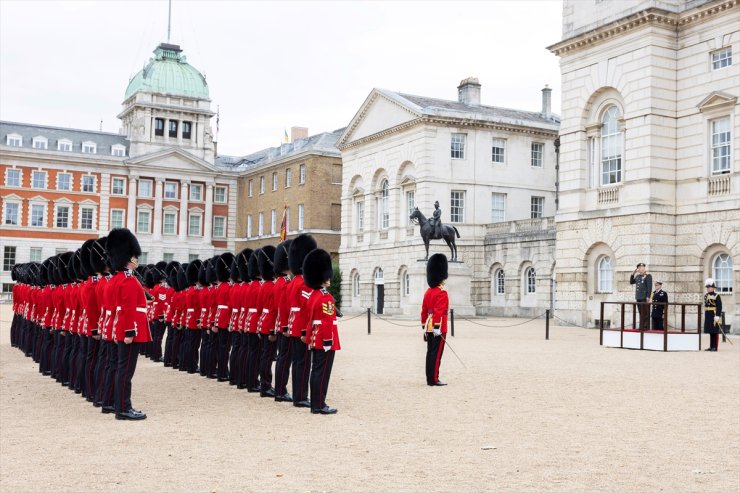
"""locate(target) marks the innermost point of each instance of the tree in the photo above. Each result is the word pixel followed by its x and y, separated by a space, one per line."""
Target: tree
pixel 336 284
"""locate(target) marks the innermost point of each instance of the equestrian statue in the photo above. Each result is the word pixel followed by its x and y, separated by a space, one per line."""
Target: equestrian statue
pixel 433 229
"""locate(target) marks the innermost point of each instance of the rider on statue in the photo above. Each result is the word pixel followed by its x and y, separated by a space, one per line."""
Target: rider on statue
pixel 436 221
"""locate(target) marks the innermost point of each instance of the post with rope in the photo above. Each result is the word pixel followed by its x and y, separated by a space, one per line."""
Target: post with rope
pixel 547 324
pixel 452 322
pixel 368 321
pixel 724 334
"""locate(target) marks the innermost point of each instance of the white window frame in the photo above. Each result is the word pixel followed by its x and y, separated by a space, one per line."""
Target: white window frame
pixel 605 275
pixel 150 185
pixel 44 210
pixel 249 225
pixel 457 146
pixel 721 58
pixel 384 216
pixel 68 206
pixel 64 145
pixel 191 216
pixel 720 143
pixel 59 182
pixel 9 250
pixel 118 150
pixel 113 181
pixel 139 229
pixel 262 185
pixel 499 279
pixel 301 174
pixel 498 150
pixel 224 194
pixel 273 221
pixel 14 140
pixel 611 162
pixel 165 214
pixel 222 220
pixel 410 201
pixel 498 207
pixel 530 280
pixel 537 155
pixel 123 218
pixel 288 177
pixel 457 217
pixel 360 216
pixel 36 254
pixel 164 191
pixel 536 207
pixel 40 142
pixel 34 174
pixel 356 285
pixel 274 181
pixel 301 216
pixel 82 183
pixel 249 188
pixel 260 224
pixel 93 213
pixel 199 187
pixel 7 177
pixel 168 257
pixel 89 147
pixel 18 206
pixel 406 283
pixel 722 273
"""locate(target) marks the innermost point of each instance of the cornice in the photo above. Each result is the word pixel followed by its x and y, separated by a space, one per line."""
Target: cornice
pixel 652 16
pixel 360 116
pixel 287 160
pixel 60 157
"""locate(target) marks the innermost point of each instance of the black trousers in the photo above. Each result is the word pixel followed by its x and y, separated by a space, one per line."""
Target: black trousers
pixel 128 354
pixel 301 369
pixel 282 366
pixel 657 322
pixel 37 341
pixel 58 355
pixel 644 310
pixel 236 342
pixel 241 359
pixel 91 358
pixel 224 343
pixel 111 370
pixel 176 343
pixel 157 335
pixel 205 345
pixel 101 370
pixel 435 348
pixel 320 374
pixel 79 380
pixel 253 360
pixel 266 359
pixel 184 353
pixel 168 344
pixel 46 345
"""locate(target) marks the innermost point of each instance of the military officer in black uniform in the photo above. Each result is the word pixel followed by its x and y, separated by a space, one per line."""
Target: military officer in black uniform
pixel 659 299
pixel 712 314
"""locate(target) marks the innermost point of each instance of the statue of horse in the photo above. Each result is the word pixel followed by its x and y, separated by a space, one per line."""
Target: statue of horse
pixel 427 233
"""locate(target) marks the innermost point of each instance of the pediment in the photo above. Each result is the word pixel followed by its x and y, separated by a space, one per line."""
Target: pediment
pixel 358 191
pixel 171 159
pixel 382 110
pixel 716 100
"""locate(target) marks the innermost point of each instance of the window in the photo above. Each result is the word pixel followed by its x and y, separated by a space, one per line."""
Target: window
pixel 249 188
pixel 13 178
pixel 457 146
pixel 611 148
pixel 37 215
pixel 196 192
pixel 288 177
pixel 537 206
pixel 406 284
pixel 302 174
pixel 261 224
pixel 498 207
pixel 11 213
pixel 287 219
pixel 62 220
pixel 498 151
pixel 219 227
pixel 144 258
pixel 14 140
pixel 89 148
pixel 168 257
pixel 64 181
pixel 194 222
pixel 64 145
pixel 88 183
pixel 38 179
pixel 249 226
pixel 86 217
pixel 360 216
pixel 173 128
pixel 192 257
pixel 40 143
pixel 170 190
pixel 383 214
pixel 457 206
pixel 262 184
pixel 36 254
pixel 117 217
pixel 537 153
pixel 273 221
pixel 7 287
pixel 606 275
pixel 142 222
pixel 118 150
pixel 8 258
pixel 219 195
pixel 722 58
pixel 500 282
pixel 722 272
pixel 119 186
pixel 410 205
pixel 301 212
pixel 187 129
pixel 159 126
pixel 169 223
pixel 530 280
pixel 721 138
pixel 274 181
pixel 356 285
pixel 145 188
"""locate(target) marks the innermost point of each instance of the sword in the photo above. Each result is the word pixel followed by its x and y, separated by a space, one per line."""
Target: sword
pixel 719 325
pixel 453 351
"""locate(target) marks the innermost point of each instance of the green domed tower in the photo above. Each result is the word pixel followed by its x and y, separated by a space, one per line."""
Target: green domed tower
pixel 167 104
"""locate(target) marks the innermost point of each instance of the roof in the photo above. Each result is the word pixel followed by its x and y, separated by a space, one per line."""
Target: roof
pixel 104 141
pixel 168 72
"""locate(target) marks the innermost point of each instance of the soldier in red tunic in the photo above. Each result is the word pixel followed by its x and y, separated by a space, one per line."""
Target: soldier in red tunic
pixel 240 360
pixel 434 316
pixel 250 324
pixel 282 366
pixel 266 323
pixel 323 337
pixel 130 327
pixel 223 314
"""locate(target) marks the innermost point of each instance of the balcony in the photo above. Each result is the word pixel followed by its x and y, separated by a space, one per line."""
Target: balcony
pixel 718 185
pixel 608 196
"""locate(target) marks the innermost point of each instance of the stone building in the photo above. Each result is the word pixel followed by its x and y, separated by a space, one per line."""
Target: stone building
pixel 649 151
pixel 483 164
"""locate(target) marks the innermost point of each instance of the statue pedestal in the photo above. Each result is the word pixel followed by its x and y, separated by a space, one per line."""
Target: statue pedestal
pixel 457 286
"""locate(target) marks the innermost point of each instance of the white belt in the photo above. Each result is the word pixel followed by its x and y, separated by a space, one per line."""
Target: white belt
pixel 234 310
pixel 219 307
pixel 317 322
pixel 252 309
pixel 265 310
pixel 191 309
pixel 295 309
pixel 139 309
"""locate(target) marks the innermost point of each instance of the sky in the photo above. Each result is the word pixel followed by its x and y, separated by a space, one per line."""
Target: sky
pixel 273 65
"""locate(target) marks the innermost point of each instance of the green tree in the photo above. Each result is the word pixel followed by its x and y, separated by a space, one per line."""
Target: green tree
pixel 336 284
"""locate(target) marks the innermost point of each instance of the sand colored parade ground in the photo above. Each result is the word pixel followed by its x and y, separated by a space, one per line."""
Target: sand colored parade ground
pixel 527 414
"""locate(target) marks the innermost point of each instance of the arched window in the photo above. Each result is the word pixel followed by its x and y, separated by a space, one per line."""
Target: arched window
pixel 356 285
pixel 611 148
pixel 722 273
pixel 605 275
pixel 406 284
pixel 530 278
pixel 499 278
pixel 383 214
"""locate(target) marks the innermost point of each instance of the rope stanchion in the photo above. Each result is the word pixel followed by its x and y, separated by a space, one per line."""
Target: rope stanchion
pixel 502 326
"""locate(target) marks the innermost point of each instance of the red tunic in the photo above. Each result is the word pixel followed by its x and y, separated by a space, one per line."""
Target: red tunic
pixel 234 302
pixel 435 304
pixel 59 307
pixel 323 316
pixel 223 308
pixel 280 295
pixel 268 310
pixel 298 295
pixel 130 319
pixel 192 308
pixel 110 309
pixel 203 295
pixel 92 307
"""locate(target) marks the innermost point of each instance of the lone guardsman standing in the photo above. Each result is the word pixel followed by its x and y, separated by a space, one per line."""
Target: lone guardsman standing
pixel 434 309
pixel 712 314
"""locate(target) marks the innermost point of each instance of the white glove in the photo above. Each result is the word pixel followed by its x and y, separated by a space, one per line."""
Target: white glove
pixel 437 332
pixel 718 320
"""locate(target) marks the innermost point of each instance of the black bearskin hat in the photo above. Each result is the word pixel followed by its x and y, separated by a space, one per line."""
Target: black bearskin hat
pixel 264 262
pixel 280 261
pixel 298 250
pixel 235 276
pixel 317 268
pixel 436 269
pixel 253 267
pixel 173 265
pixel 14 272
pixel 182 278
pixel 161 266
pixel 98 255
pixel 211 276
pixel 122 247
pixel 193 270
pixel 63 261
pixel 242 263
pixel 149 279
pixel 74 269
pixel 223 266
pixel 203 273
pixel 85 255
pixel 44 272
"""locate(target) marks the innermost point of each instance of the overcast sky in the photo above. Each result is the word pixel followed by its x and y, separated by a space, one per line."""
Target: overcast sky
pixel 273 65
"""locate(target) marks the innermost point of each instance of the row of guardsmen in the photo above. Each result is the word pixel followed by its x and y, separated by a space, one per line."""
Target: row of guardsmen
pixel 86 316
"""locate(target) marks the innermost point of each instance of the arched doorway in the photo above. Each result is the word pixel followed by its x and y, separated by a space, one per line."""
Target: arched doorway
pixel 379 291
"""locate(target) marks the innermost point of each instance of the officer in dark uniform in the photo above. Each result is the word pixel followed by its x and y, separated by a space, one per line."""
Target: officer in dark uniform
pixel 642 281
pixel 659 298
pixel 712 315
pixel 434 310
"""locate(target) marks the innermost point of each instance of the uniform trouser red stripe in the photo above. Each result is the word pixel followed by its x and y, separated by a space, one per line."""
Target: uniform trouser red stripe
pixel 435 348
pixel 323 361
pixel 128 354
pixel 301 369
pixel 714 341
pixel 282 366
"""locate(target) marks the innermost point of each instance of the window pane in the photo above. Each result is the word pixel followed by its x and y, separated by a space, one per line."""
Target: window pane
pixel 196 192
pixel 302 173
pixel 537 207
pixel 145 188
pixel 220 195
pixel 142 224
pixel 118 186
pixel 116 218
pixel 168 224
pixel 605 275
pixel 273 221
pixel 301 210
pixel 722 58
pixel 499 282
pixel 36 254
pixel 8 258
pixel 457 206
pixel 457 146
pixel 14 178
pixel 38 179
pixel 537 152
pixel 86 218
pixel 11 214
pixel 360 215
pixel 288 177
pixel 170 190
pixel 498 151
pixel 531 279
pixel 64 182
pixel 498 207
pixel 611 148
pixel 62 217
pixel 219 227
pixel 722 271
pixel 410 205
pixel 88 183
pixel 721 141
pixel 37 215
pixel 260 224
pixel 194 224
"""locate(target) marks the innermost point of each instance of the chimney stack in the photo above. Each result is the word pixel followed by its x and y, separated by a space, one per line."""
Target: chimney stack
pixel 297 133
pixel 546 101
pixel 468 92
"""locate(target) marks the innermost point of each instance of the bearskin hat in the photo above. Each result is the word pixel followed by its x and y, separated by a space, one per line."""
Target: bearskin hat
pixel 280 261
pixel 44 272
pixel 265 262
pixel 192 271
pixel 99 255
pixel 203 273
pixel 149 279
pixel 436 269
pixel 161 266
pixel 141 270
pixel 234 271
pixel 299 248
pixel 182 277
pixel 223 266
pixel 156 274
pixel 173 265
pixel 74 269
pixel 85 256
pixel 122 247
pixel 211 275
pixel 242 263
pixel 317 268
pixel 14 272
pixel 63 261
pixel 254 267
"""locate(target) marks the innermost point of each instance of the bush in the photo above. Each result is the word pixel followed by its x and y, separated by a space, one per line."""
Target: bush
pixel 336 284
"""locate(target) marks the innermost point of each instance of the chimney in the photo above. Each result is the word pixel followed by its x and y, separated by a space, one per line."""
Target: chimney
pixel 546 101
pixel 468 92
pixel 297 133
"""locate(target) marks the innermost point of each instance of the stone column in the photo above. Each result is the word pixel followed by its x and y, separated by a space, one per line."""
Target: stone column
pixel 179 133
pixel 131 212
pixel 157 232
pixel 208 216
pixel 183 233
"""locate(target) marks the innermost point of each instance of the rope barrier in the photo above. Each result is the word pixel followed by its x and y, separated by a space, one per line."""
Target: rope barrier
pixel 361 314
pixel 502 326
